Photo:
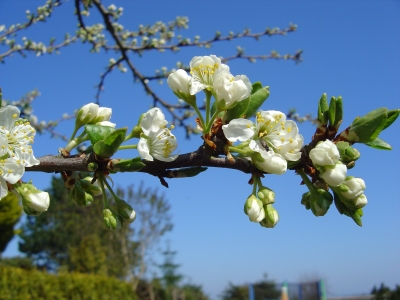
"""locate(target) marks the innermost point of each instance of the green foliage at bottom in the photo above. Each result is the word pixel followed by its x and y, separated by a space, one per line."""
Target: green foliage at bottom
pixel 21 284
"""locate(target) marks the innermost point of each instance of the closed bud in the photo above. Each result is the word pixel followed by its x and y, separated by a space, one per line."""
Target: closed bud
pixel 103 115
pixel 352 187
pixel 86 114
pixel 271 217
pixel 79 196
pixel 320 201
pixel 305 200
pixel 266 195
pixel 89 187
pixel 34 201
pixel 111 219
pixel 253 208
pixel 334 175
pixel 125 211
pixel 347 153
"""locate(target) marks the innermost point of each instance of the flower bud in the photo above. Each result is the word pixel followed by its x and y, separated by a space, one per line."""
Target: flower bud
pixel 347 153
pixel 334 175
pixel 266 195
pixel 86 114
pixel 111 219
pixel 305 200
pixel 34 201
pixel 179 82
pixel 103 115
pixel 320 202
pixel 89 187
pixel 324 154
pixel 360 202
pixel 79 196
pixel 352 187
pixel 253 207
pixel 271 217
pixel 125 211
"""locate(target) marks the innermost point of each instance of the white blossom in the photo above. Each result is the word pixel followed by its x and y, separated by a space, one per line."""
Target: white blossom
pixel 272 136
pixel 229 90
pixel 16 135
pixel 157 141
pixel 11 170
pixel 203 70
pixel 325 157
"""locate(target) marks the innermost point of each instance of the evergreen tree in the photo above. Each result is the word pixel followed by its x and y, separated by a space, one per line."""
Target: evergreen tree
pixel 10 213
pixel 263 289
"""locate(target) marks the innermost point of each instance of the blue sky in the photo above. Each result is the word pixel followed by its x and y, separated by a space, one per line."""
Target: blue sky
pixel 350 49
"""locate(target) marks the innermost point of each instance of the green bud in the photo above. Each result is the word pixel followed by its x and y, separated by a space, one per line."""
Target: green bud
pixel 79 196
pixel 320 202
pixel 136 131
pixel 89 187
pixel 271 217
pixel 347 153
pixel 125 211
pixel 266 195
pixel 112 220
pixel 305 200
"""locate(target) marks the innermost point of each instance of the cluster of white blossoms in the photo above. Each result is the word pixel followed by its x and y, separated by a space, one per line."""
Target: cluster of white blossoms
pixel 156 141
pixel 326 158
pixel 93 114
pixel 16 137
pixel 208 73
pixel 273 140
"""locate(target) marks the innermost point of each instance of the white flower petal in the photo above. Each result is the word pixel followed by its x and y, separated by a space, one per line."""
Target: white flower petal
pixel 239 130
pixel 8 116
pixel 152 121
pixel 144 150
pixel 3 188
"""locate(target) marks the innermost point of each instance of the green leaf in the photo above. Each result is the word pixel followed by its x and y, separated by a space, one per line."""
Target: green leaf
pixel 128 165
pixel 332 110
pixel 339 112
pixel 379 144
pixel 108 146
pixel 256 100
pixel 323 110
pixel 368 127
pixel 391 117
pixel 97 133
pixel 238 110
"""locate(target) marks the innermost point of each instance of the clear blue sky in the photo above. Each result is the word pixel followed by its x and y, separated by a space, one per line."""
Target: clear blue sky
pixel 350 49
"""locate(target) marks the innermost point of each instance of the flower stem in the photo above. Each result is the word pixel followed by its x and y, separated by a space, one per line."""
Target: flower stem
pixel 239 150
pixel 199 114
pixel 208 108
pixel 127 147
pixel 103 182
pixel 307 181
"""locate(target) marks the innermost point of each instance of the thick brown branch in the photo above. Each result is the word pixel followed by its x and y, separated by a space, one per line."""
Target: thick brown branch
pixel 57 164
